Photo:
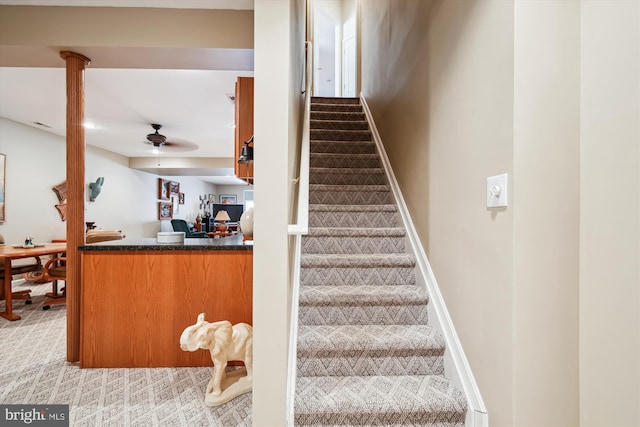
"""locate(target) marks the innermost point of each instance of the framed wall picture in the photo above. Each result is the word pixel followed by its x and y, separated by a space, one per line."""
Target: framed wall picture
pixel 165 211
pixel 175 202
pixel 181 198
pixel 164 189
pixel 228 199
pixel 174 187
pixel 212 198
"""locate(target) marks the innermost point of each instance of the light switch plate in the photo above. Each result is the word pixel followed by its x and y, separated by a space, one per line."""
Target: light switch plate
pixel 497 191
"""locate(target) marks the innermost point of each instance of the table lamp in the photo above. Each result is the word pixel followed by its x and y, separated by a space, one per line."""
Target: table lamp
pixel 221 216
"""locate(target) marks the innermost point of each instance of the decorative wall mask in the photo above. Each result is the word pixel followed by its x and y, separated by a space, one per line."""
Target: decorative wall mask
pixel 61 192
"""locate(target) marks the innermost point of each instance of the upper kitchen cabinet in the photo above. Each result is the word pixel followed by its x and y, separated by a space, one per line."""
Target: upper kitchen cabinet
pixel 244 125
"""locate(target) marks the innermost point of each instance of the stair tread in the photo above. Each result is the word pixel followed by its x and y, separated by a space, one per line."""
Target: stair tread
pixel 352 208
pixel 363 294
pixel 335 99
pixel 357 260
pixel 343 155
pixel 320 340
pixel 411 398
pixel 357 232
pixel 347 171
pixel 352 187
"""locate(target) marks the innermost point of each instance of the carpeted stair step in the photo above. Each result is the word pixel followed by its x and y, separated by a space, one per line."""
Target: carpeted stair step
pixel 363 305
pixel 334 100
pixel 343 147
pixel 338 115
pixel 424 400
pixel 339 125
pixel 330 160
pixel 353 216
pixel 347 108
pixel 346 350
pixel 334 240
pixel 356 270
pixel 339 135
pixel 349 194
pixel 347 176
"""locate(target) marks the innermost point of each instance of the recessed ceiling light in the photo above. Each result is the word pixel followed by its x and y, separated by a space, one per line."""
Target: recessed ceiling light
pixel 89 125
pixel 232 97
pixel 43 125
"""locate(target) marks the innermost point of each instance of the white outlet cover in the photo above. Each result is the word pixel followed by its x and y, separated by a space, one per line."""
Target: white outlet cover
pixel 497 191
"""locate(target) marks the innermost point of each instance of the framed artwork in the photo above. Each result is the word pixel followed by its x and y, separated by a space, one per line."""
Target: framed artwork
pixel 175 202
pixel 228 199
pixel 3 161
pixel 164 189
pixel 181 198
pixel 165 210
pixel 212 198
pixel 175 187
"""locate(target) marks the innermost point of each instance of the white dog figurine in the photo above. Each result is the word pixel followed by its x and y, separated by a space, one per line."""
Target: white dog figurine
pixel 225 342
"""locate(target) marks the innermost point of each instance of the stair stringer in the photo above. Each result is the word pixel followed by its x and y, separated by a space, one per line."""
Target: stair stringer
pixel 456 365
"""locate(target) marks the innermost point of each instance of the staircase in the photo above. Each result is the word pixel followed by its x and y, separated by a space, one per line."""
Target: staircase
pixel 366 354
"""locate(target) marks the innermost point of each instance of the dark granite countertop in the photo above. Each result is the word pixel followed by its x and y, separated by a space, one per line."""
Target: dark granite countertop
pixel 230 243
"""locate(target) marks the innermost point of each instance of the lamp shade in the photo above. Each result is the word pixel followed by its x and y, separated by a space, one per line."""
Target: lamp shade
pixel 222 216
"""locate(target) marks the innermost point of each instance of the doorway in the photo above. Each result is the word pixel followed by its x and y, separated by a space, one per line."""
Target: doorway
pixel 334 29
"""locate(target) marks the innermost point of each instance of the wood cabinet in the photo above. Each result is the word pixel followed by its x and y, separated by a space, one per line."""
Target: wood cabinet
pixel 244 125
pixel 136 303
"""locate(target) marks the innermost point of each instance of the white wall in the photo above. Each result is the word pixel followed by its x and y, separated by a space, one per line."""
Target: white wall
pixel 610 214
pixel 128 200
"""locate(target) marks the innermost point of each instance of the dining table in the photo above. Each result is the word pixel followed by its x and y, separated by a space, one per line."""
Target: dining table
pixel 9 253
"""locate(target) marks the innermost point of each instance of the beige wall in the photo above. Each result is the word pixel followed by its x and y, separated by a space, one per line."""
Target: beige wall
pixel 546 213
pixel 610 214
pixel 439 79
pixel 544 294
pixel 277 107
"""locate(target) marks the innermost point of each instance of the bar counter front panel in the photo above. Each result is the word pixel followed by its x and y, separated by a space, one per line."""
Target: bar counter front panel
pixel 137 298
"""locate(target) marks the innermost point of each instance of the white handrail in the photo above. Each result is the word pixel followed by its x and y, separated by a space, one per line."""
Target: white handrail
pixel 302 219
pixel 298 229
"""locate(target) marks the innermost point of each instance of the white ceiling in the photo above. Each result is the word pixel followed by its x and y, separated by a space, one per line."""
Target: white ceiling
pixel 191 104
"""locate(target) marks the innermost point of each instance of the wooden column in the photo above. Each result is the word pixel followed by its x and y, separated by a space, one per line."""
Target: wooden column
pixel 76 64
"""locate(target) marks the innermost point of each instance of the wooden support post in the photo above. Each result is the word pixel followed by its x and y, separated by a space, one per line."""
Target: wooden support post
pixel 75 64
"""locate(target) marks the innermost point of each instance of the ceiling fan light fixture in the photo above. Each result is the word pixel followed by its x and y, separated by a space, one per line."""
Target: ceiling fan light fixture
pixel 156 138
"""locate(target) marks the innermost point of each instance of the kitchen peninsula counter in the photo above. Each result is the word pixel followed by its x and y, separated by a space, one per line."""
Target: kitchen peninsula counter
pixel 230 243
pixel 138 296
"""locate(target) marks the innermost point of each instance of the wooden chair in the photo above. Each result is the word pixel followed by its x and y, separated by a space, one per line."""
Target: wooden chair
pixel 56 269
pixel 24 294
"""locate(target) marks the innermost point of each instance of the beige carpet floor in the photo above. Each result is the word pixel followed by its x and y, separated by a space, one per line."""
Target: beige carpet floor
pixel 33 370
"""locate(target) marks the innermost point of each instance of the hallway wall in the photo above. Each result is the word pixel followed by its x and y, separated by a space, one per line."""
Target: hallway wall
pixel 438 77
pixel 544 294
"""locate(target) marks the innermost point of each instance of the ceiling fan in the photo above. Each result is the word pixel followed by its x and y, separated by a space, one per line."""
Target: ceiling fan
pixel 158 140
